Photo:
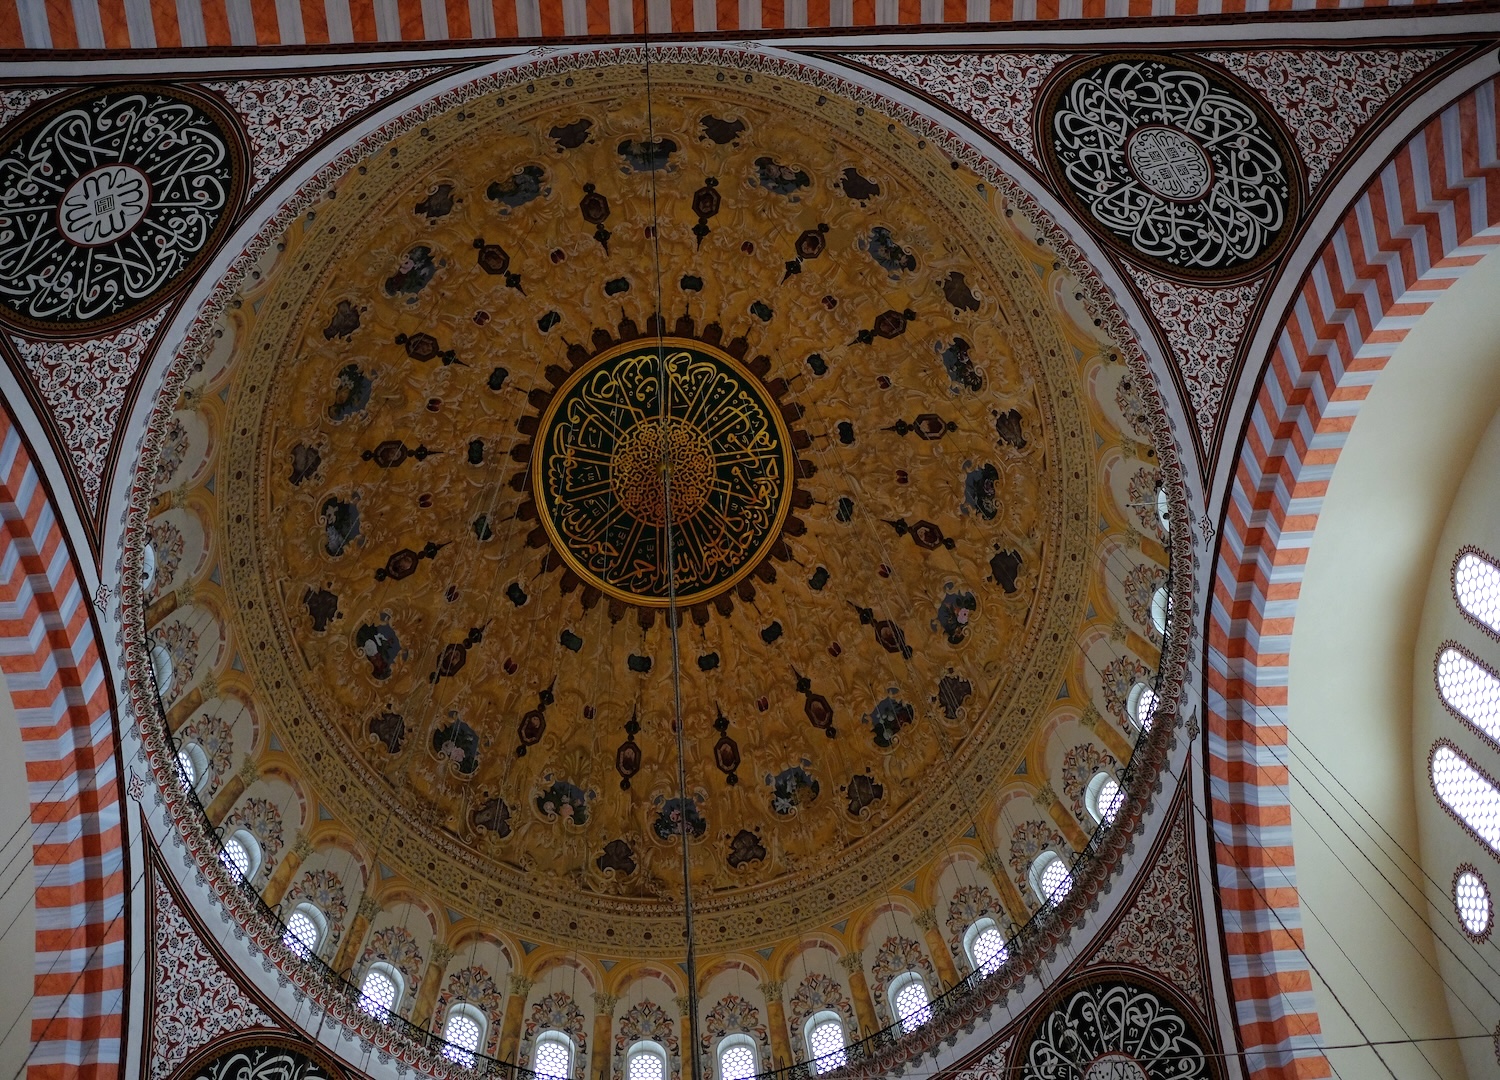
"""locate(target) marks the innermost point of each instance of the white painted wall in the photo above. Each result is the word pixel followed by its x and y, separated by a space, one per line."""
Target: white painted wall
pixel 1364 904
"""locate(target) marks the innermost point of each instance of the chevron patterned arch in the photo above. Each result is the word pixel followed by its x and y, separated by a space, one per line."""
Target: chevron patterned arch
pixel 1432 212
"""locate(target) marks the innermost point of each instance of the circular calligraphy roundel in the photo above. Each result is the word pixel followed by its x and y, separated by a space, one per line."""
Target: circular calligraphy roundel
pixel 662 470
pixel 1172 164
pixel 1114 1028
pixel 109 198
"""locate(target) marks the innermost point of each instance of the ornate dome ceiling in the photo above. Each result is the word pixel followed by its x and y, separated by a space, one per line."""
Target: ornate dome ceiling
pixel 570 409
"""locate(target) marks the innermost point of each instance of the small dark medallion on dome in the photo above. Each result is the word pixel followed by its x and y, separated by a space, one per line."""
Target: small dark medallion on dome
pixel 862 791
pixel 526 184
pixel 792 788
pixel 954 614
pixel 563 801
pixel 413 272
pixel 458 744
pixel 571 136
pixel 344 321
pixel 780 179
pixel 618 858
pixel 745 848
pixel 437 204
pixel 378 644
pixel 322 607
pixel 673 815
pixel 722 131
pixel 492 815
pixel 389 729
pixel 887 719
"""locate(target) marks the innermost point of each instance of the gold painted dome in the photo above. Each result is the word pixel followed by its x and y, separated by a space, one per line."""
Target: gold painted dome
pixel 562 408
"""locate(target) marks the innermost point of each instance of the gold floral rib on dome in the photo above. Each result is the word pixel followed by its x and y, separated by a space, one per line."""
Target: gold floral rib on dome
pixel 930 541
pixel 658 434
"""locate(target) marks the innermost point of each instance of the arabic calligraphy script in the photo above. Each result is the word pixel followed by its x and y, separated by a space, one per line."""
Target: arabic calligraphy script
pixel 661 471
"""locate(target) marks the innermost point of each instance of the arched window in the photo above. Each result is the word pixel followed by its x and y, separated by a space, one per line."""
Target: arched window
pixel 736 1057
pixel 646 1060
pixel 161 668
pixel 148 568
pixel 825 1042
pixel 908 995
pixel 304 931
pixel 192 765
pixel 1161 609
pixel 1141 704
pixel 380 991
pixel 985 946
pixel 1467 792
pixel 1050 879
pixel 1476 587
pixel 241 854
pixel 1470 690
pixel 1104 797
pixel 463 1031
pixel 1163 509
pixel 553 1057
pixel 1471 899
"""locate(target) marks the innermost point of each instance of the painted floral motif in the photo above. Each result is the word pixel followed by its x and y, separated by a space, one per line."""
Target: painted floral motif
pixel 971 903
pixel 1029 840
pixel 1142 495
pixel 475 986
pixel 14 102
pixel 995 90
pixel 1119 677
pixel 1203 328
pixel 1326 95
pixel 196 1001
pixel 646 1020
pixel 84 384
pixel 1140 585
pixel 555 1012
pixel 214 735
pixel 1079 766
pixel 261 819
pixel 395 946
pixel 897 955
pixel 1134 403
pixel 286 116
pixel 174 446
pixel 181 643
pixel 814 994
pixel 324 891
pixel 167 547
pixel 734 1015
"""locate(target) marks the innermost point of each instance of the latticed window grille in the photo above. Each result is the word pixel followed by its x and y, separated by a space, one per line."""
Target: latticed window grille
pixel 554 1056
pixel 826 1044
pixel 1476 586
pixel 988 950
pixel 377 994
pixel 736 1062
pixel 1467 792
pixel 911 1005
pixel 301 934
pixel 1471 690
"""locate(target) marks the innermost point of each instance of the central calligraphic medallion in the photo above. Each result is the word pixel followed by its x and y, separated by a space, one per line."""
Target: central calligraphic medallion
pixel 651 437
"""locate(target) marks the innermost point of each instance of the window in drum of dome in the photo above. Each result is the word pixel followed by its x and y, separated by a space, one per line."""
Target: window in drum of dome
pixel 1470 690
pixel 148 568
pixel 1161 610
pixel 1163 510
pixel 463 1031
pixel 161 669
pixel 1466 791
pixel 1471 899
pixel 1476 587
pixel 1104 797
pixel 908 994
pixel 553 1059
pixel 1140 705
pixel 736 1057
pixel 1050 879
pixel 646 1061
pixel 304 931
pixel 825 1042
pixel 379 991
pixel 187 770
pixel 985 946
pixel 241 854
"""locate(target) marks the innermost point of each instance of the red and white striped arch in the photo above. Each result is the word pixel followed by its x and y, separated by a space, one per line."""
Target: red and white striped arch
pixel 144 24
pixel 58 684
pixel 1430 213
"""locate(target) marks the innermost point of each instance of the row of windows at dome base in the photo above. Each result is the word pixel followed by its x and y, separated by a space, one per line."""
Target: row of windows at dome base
pixel 1470 689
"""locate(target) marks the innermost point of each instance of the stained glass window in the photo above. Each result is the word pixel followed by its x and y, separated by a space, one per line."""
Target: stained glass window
pixel 1476 587
pixel 1471 899
pixel 736 1059
pixel 1466 791
pixel 377 994
pixel 825 1041
pixel 1470 689
pixel 910 996
pixel 554 1056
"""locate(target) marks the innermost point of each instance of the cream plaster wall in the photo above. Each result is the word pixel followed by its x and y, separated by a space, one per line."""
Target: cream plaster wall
pixel 1355 781
pixel 17 894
